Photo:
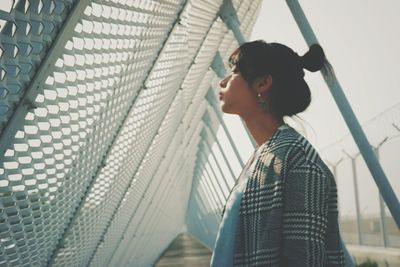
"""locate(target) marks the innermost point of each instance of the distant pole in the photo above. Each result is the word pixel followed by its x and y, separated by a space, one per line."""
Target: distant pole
pixel 334 169
pixel 382 220
pixel 351 120
pixel 356 195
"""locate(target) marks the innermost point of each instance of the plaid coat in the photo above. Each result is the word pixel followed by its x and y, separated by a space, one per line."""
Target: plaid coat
pixel 288 213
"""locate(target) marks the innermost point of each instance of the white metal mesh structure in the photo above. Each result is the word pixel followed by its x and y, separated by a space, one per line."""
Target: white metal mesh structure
pixel 103 127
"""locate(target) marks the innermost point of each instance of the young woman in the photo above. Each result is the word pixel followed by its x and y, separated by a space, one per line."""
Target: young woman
pixel 282 210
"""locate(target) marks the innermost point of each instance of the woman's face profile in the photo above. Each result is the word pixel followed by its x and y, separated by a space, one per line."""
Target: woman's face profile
pixel 236 96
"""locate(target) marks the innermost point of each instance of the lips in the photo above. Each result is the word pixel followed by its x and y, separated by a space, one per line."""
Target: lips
pixel 220 96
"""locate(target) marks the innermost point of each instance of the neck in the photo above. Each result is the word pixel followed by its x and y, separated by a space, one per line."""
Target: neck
pixel 261 126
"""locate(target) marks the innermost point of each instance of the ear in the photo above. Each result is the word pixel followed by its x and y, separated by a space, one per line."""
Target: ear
pixel 263 84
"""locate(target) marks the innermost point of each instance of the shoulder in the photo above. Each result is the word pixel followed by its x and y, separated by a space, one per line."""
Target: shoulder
pixel 281 142
pixel 291 149
pixel 280 148
pixel 287 143
pixel 294 150
pixel 302 155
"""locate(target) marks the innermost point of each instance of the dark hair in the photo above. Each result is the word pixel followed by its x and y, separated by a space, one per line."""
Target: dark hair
pixel 290 93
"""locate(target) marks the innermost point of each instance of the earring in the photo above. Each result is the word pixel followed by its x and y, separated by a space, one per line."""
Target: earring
pixel 261 102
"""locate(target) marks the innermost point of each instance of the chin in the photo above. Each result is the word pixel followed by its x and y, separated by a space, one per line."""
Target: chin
pixel 225 109
pixel 222 107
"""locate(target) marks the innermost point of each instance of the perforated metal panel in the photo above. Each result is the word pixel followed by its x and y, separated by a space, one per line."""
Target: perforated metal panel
pixel 101 108
pixel 28 29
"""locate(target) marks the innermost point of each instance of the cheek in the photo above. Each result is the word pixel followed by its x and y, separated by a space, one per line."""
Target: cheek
pixel 238 91
pixel 248 102
pixel 247 98
pixel 240 97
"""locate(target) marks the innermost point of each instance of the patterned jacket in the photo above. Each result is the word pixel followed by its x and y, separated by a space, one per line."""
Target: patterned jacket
pixel 288 213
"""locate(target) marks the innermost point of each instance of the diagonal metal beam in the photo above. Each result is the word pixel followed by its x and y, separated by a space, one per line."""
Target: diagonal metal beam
pixel 207 120
pixel 212 204
pixel 26 104
pixel 209 178
pixel 350 118
pixel 214 177
pixel 229 16
pixel 211 130
pixel 206 179
pixel 214 158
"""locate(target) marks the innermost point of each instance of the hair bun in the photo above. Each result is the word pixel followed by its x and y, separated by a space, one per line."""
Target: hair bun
pixel 314 59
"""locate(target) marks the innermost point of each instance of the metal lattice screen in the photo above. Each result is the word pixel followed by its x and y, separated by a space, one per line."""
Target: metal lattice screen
pixel 102 106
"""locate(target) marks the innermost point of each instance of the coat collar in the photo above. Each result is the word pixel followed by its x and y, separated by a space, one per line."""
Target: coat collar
pixel 267 145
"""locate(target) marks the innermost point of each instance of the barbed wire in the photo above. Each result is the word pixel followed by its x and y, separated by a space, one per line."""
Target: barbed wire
pixel 381 128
